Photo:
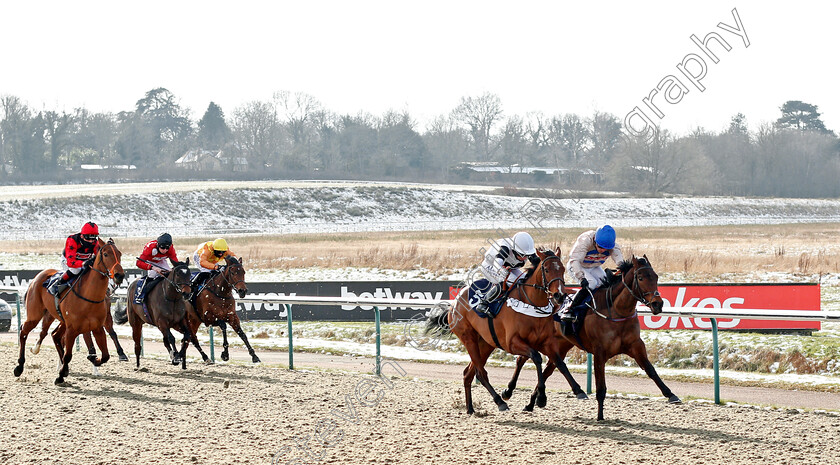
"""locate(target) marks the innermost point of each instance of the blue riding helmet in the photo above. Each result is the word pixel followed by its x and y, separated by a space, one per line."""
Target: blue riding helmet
pixel 605 237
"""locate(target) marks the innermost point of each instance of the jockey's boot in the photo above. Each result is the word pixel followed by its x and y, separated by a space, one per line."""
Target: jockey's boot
pixel 483 306
pixel 568 313
pixel 58 285
pixel 140 294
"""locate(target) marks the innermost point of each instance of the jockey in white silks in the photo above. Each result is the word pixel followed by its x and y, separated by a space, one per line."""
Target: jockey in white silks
pixel 501 266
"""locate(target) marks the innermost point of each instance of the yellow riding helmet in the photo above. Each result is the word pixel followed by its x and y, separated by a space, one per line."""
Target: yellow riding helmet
pixel 220 244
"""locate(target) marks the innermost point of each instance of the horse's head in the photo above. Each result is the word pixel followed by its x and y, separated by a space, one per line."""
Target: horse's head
pixel 109 258
pixel 550 271
pixel 234 274
pixel 180 278
pixel 645 284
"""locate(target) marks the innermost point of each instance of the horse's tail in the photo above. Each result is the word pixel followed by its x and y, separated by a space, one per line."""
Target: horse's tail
pixel 437 321
pixel 121 315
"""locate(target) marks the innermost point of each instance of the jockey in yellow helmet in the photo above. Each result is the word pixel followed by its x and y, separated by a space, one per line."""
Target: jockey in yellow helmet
pixel 210 256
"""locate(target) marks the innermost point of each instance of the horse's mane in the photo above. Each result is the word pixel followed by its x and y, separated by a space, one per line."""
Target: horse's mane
pixel 231 260
pixel 623 267
pixel 531 268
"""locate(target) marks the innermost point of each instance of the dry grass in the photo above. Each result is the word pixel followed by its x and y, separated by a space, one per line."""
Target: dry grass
pixel 712 250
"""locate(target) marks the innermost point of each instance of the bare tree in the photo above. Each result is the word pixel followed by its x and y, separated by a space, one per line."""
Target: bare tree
pixel 479 114
pixel 257 132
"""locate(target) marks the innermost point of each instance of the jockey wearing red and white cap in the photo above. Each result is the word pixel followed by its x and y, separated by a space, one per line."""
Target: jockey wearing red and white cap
pixel 79 250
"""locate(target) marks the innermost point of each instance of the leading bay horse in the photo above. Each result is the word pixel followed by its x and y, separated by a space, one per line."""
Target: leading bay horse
pixel 164 307
pixel 83 308
pixel 215 305
pixel 516 333
pixel 611 327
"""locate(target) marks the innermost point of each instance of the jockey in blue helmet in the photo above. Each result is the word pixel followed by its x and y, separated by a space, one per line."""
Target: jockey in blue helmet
pixel 590 251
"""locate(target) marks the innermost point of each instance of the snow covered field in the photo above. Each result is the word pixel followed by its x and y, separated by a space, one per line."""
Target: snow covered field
pixel 194 209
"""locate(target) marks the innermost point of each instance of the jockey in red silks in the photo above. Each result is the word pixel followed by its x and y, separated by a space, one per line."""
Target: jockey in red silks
pixel 79 251
pixel 153 260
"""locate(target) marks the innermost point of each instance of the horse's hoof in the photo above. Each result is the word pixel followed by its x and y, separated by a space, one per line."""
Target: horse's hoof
pixel 123 358
pixel 582 395
pixel 528 408
pixel 207 361
pixel 506 394
pixel 59 381
pixel 92 358
pixel 470 411
pixel 541 401
pixel 674 399
pixel 255 359
pixel 18 370
pixel 225 356
pixel 503 407
pixel 176 361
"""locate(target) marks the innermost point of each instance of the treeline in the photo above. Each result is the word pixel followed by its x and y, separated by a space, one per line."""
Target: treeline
pixel 294 135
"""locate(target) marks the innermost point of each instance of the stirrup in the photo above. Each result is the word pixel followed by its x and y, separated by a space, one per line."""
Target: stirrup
pixel 568 316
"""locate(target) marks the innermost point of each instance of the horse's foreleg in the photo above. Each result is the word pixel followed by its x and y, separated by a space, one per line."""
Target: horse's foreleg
pixel 102 342
pixel 639 353
pixel 235 325
pixel 223 329
pixel 91 349
pixel 518 346
pixel 27 327
pixel 549 369
pixel 520 362
pixel 599 361
pixel 120 352
pixel 469 374
pixel 169 342
pixel 64 369
pixel 58 340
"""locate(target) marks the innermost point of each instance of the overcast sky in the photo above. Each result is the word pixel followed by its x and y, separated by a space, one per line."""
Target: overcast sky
pixel 422 57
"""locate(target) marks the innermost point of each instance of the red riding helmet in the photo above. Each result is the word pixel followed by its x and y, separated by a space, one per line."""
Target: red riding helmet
pixel 90 229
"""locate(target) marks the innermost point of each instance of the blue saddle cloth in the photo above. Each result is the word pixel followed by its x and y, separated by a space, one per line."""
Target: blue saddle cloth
pixel 476 292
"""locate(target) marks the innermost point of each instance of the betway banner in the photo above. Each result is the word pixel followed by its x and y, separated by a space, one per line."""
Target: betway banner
pixel 755 296
pixel 734 296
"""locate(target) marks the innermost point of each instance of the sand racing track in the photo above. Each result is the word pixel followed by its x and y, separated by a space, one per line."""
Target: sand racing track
pixel 245 414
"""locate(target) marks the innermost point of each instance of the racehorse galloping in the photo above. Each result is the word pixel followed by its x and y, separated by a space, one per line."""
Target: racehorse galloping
pixel 83 308
pixel 215 305
pixel 611 327
pixel 517 333
pixel 164 307
pixel 48 319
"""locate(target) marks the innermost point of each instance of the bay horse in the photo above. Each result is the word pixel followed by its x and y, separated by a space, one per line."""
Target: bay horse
pixel 611 327
pixel 165 308
pixel 516 333
pixel 48 320
pixel 214 304
pixel 83 307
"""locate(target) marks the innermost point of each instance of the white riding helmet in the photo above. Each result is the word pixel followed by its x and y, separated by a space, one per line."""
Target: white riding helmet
pixel 523 243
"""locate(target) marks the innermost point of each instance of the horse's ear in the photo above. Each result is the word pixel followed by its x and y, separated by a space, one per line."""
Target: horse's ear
pixel 241 261
pixel 187 261
pixel 557 252
pixel 110 241
pixel 541 254
pixel 635 261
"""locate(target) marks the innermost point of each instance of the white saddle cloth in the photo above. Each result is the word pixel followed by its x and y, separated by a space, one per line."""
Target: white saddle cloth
pixel 530 310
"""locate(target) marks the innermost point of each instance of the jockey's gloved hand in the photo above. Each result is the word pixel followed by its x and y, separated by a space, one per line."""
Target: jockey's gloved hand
pixel 584 284
pixel 220 268
pixel 89 262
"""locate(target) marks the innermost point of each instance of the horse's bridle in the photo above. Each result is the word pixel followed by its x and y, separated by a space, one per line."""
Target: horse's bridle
pixel 545 285
pixel 109 275
pixel 641 299
pixel 171 282
pixel 224 277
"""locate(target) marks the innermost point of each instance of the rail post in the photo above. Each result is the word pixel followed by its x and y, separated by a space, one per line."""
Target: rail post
pixel 142 343
pixel 212 347
pixel 378 340
pixel 588 373
pixel 716 359
pixel 291 344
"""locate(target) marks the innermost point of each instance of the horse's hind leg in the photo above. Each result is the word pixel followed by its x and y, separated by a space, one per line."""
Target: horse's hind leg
pixel 599 361
pixel 28 326
pixel 187 330
pixel 91 349
pixel 169 343
pixel 564 370
pixel 520 362
pixel 46 322
pixel 64 370
pixel 518 346
pixel 479 353
pixel 639 353
pixel 549 369
pixel 234 323
pixel 109 328
pixel 136 333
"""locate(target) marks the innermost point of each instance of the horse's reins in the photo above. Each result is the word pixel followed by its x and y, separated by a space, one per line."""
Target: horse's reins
pixel 109 275
pixel 222 287
pixel 611 299
pixel 174 285
pixel 546 285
